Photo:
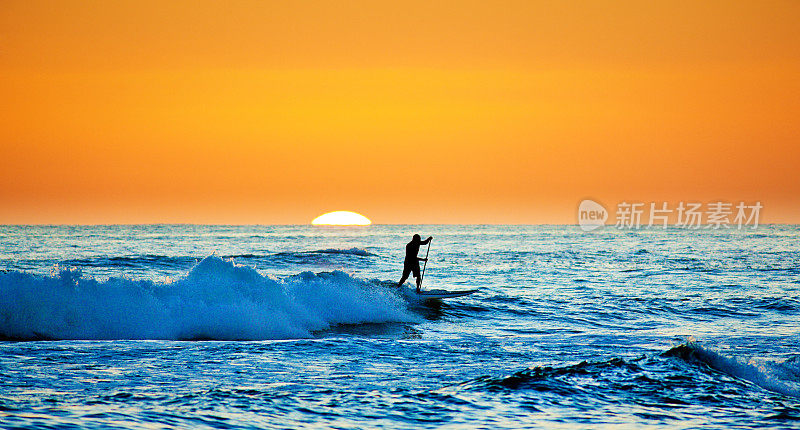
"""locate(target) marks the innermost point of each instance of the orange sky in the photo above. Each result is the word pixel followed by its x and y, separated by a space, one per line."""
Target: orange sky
pixel 408 112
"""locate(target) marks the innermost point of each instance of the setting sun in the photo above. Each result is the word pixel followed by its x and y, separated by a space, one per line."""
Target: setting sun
pixel 341 218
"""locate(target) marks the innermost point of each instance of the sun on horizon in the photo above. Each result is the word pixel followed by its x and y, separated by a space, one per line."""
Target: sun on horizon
pixel 341 218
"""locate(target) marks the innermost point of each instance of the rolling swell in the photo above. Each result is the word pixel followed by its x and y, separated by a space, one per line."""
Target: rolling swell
pixel 147 261
pixel 351 251
pixel 781 377
pixel 320 258
pixel 216 300
pixel 150 261
pixel 662 380
pixel 685 386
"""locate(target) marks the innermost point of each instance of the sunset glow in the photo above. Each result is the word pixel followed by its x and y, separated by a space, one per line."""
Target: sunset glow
pixel 255 112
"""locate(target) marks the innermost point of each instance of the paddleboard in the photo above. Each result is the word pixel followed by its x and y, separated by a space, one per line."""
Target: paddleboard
pixel 442 294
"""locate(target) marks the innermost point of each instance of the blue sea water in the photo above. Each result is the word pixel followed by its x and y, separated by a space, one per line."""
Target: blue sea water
pixel 183 326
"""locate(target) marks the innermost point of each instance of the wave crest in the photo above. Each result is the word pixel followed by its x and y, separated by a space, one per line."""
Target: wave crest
pixel 216 300
pixel 781 377
pixel 659 377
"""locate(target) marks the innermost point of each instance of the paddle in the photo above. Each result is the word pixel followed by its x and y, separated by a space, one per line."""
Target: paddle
pixel 422 276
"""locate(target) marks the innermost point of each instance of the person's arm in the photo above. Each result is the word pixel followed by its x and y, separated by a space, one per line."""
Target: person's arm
pixel 425 242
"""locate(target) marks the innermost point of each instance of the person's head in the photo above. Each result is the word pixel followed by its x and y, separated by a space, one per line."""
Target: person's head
pixel 416 238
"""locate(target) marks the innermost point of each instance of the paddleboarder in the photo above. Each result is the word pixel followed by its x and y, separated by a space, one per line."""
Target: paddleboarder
pixel 411 263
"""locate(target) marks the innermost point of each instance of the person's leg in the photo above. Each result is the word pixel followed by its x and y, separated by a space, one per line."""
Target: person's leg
pixel 417 276
pixel 406 272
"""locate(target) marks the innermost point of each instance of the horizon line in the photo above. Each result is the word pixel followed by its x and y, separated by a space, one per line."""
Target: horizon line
pixel 643 226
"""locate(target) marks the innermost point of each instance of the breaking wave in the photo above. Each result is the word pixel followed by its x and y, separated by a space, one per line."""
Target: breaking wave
pixel 217 299
pixel 782 377
pixel 661 379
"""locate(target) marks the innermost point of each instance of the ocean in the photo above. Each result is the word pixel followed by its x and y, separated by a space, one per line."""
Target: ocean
pixel 190 326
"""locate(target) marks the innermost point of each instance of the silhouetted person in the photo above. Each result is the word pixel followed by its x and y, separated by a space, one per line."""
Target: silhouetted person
pixel 411 263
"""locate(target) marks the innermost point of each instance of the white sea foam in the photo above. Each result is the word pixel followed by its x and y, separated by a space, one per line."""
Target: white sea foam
pixel 216 300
